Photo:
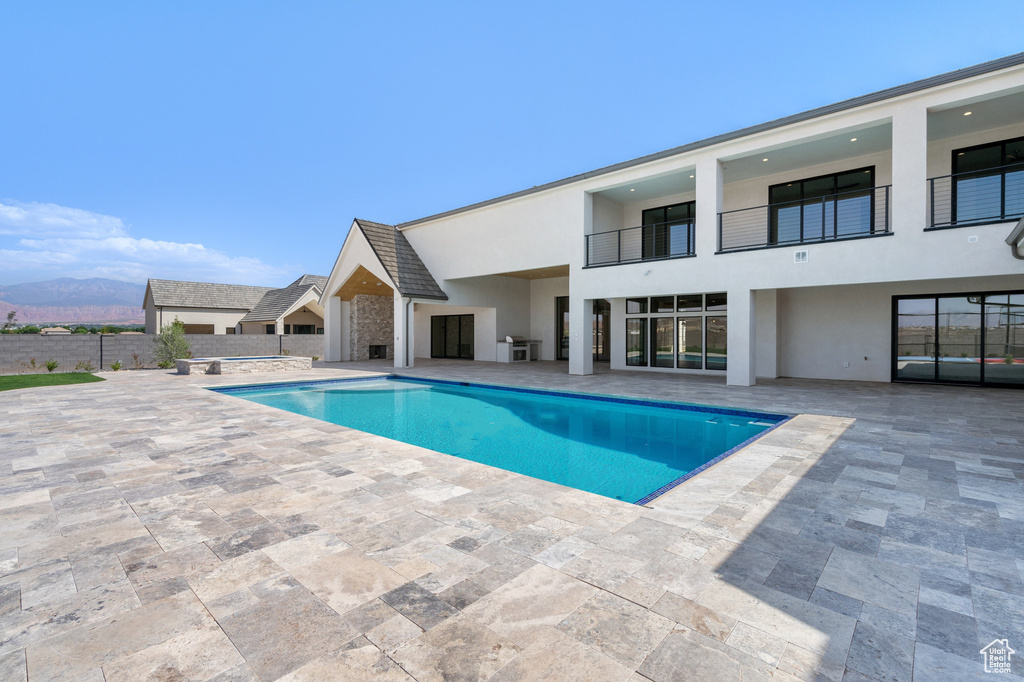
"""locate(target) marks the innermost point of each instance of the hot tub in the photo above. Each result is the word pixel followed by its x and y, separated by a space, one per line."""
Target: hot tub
pixel 244 365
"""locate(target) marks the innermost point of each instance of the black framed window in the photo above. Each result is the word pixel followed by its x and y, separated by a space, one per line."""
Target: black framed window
pixel 636 342
pixel 716 354
pixel 451 336
pixel 662 342
pixel 302 329
pixel 988 181
pixel 636 306
pixel 823 207
pixel 974 339
pixel 668 230
pixel 689 342
pixel 270 329
pixel 562 327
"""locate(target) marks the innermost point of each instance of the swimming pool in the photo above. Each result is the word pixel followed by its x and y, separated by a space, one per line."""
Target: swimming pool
pixel 632 450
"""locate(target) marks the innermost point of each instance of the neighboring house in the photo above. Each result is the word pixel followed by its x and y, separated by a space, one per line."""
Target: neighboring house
pixel 873 239
pixel 208 308
pixel 54 330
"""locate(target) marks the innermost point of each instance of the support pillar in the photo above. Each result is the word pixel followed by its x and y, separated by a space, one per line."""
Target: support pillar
pixel 767 353
pixel 334 330
pixel 710 186
pixel 742 346
pixel 910 171
pixel 402 324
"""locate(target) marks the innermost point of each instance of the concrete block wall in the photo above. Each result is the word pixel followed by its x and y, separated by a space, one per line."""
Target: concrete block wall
pixel 136 350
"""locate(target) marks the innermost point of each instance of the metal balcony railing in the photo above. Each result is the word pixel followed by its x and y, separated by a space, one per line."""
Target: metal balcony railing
pixel 977 197
pixel 845 215
pixel 661 241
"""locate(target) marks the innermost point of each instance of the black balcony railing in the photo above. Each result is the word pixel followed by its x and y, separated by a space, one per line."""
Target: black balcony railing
pixel 977 197
pixel 846 215
pixel 635 244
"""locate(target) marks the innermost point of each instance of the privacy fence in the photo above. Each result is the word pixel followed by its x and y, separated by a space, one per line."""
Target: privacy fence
pixel 22 353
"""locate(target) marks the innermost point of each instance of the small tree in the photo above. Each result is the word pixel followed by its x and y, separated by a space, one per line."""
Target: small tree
pixel 171 344
pixel 12 319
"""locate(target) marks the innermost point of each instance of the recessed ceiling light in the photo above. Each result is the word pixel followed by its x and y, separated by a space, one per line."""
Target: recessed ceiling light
pixel 378 283
pixel 691 176
pixel 968 113
pixel 853 139
pixel 632 190
pixel 364 282
pixel 765 159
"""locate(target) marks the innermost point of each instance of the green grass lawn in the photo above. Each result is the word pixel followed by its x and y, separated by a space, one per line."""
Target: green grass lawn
pixel 9 383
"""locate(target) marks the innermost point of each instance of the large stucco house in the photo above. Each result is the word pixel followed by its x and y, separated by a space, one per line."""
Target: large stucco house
pixel 874 239
pixel 209 308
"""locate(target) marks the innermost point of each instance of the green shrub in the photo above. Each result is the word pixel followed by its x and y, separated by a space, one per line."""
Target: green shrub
pixel 83 366
pixel 315 358
pixel 51 365
pixel 171 345
pixel 116 365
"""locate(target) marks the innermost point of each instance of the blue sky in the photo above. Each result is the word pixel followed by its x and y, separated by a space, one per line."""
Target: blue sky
pixel 235 141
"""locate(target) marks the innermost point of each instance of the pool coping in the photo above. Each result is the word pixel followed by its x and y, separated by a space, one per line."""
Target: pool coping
pixel 780 419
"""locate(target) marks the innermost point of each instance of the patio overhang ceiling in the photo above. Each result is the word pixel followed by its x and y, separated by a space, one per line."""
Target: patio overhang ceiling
pixel 539 273
pixel 363 283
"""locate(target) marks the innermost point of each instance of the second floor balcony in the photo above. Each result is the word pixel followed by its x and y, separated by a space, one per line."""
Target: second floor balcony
pixel 991 195
pixel 833 217
pixel 659 241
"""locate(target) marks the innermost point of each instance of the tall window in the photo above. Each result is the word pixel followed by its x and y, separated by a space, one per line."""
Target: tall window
pixel 988 182
pixel 562 327
pixel 668 230
pixel 694 337
pixel 825 207
pixel 636 342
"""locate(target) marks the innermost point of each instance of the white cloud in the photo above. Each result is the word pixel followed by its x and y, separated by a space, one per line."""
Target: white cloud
pixel 53 220
pixel 57 241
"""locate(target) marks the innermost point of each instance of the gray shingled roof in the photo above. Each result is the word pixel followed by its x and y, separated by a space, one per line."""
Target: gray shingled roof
pixel 401 261
pixel 319 281
pixel 276 302
pixel 174 294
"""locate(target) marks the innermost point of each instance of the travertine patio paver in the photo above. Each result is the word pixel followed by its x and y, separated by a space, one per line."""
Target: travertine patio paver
pixel 152 529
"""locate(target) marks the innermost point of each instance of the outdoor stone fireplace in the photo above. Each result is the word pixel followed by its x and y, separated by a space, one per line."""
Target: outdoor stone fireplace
pixel 372 321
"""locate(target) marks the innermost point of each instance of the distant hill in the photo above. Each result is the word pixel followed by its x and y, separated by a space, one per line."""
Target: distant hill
pixel 74 292
pixel 67 300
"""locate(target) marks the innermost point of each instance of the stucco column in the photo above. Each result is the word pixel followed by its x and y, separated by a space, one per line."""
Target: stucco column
pixel 742 347
pixel 710 188
pixel 766 314
pixel 617 334
pixel 909 171
pixel 333 329
pixel 401 310
pixel 410 335
pixel 581 335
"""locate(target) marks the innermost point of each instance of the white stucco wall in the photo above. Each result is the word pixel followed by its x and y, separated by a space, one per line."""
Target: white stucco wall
pixel 220 319
pixel 543 293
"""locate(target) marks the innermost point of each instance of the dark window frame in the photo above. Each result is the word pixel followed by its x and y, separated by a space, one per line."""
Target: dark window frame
pixel 803 202
pixel 981 173
pixel 459 344
pixel 658 232
pixel 982 340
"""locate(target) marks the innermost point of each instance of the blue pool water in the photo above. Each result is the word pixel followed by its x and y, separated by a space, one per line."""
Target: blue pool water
pixel 617 447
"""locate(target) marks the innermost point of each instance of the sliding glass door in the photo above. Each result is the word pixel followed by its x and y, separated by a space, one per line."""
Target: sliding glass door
pixel 975 339
pixel 451 336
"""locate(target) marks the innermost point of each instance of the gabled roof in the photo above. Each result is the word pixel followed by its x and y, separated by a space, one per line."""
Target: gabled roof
pixel 276 302
pixel 401 261
pixel 174 294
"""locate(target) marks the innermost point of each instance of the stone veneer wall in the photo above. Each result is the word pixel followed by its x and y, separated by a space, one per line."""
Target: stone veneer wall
pixel 373 324
pixel 18 350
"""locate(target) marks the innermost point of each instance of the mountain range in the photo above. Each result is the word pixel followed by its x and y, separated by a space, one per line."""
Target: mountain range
pixel 67 300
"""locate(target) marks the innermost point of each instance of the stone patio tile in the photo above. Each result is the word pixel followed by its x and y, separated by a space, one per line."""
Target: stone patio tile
pixel 304 549
pixel 936 665
pixel 393 633
pixel 462 594
pixel 86 648
pixel 360 664
pixel 702 658
pixel 229 576
pixel 458 649
pixel 757 643
pixel 801 664
pixel 12 666
pixel 617 628
pixel 197 654
pixel 694 616
pixel 285 632
pixel 347 579
pixel 179 563
pixel 418 605
pixel 562 658
pixel 871 580
pixel 528 607
pixel 881 655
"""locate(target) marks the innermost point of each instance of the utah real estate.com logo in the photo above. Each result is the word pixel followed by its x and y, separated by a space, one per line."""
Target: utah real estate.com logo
pixel 997 656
